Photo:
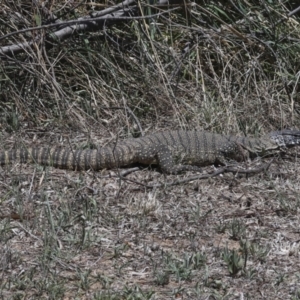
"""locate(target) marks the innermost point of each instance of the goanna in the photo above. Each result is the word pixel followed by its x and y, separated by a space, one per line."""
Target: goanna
pixel 173 151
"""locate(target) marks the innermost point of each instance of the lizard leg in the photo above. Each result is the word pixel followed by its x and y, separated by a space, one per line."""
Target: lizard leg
pixel 167 163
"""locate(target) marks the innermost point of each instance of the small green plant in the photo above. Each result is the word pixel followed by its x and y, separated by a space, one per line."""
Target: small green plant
pixel 234 261
pixel 177 292
pixel 237 230
pixel 221 227
pixel 128 293
pixel 105 281
pixel 84 279
pixel 280 278
pixel 259 252
pixel 180 270
pixel 296 295
pixel 119 249
pixel 162 278
pixel 137 293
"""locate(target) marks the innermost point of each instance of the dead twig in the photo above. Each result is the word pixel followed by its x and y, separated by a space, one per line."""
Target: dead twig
pixel 220 171
pixel 226 169
pixel 84 20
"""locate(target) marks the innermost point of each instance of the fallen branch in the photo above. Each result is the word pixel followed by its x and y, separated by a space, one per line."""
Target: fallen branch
pixel 93 22
pixel 222 170
pixel 226 169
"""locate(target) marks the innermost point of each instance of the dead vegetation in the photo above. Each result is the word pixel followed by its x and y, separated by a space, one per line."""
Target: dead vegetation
pixel 228 67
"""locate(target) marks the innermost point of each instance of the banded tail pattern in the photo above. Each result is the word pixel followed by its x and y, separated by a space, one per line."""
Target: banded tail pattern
pixel 173 151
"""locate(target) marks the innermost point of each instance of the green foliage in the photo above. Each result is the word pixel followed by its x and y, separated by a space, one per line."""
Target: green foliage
pixel 234 261
pixel 226 66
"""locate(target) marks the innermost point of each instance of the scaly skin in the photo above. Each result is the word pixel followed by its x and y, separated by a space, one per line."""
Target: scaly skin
pixel 173 151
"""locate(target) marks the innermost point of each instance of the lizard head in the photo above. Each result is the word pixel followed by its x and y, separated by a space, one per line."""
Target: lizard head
pixel 285 138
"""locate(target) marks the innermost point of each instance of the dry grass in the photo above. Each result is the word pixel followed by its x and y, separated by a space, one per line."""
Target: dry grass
pixel 88 235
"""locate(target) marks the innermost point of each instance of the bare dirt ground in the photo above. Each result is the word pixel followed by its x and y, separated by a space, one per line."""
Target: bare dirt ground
pixel 229 67
pixel 95 236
